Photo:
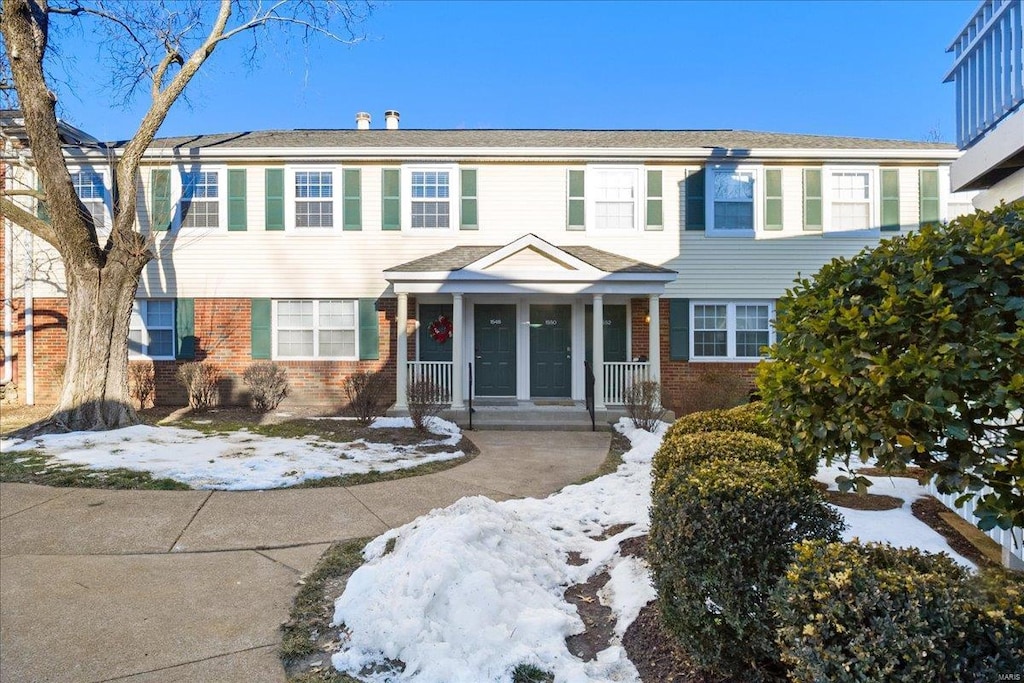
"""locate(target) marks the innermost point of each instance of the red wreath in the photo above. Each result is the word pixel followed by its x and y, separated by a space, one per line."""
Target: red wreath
pixel 441 329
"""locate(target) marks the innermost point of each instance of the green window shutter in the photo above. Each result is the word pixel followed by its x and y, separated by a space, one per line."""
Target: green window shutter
pixel 576 201
pixel 369 330
pixel 468 217
pixel 160 195
pixel 890 200
pixel 185 328
pixel 694 190
pixel 929 188
pixel 773 199
pixel 274 179
pixel 679 329
pixel 353 209
pixel 812 200
pixel 655 220
pixel 260 340
pixel 391 202
pixel 237 218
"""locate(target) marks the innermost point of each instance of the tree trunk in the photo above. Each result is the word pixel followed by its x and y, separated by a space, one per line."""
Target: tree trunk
pixel 94 395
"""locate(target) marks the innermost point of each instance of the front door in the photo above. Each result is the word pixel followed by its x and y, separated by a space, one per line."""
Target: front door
pixel 550 350
pixel 614 333
pixel 494 368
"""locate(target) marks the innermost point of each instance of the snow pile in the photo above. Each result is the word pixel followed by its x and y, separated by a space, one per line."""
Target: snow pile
pixel 240 460
pixel 898 527
pixel 471 591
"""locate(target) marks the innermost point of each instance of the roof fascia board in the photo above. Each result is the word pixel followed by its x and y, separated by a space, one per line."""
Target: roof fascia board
pixel 525 242
pixel 514 288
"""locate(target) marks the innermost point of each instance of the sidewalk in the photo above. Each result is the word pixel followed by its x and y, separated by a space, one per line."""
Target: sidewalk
pixel 100 585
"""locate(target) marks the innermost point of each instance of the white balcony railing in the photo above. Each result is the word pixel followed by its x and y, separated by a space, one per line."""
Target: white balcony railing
pixel 438 372
pixel 618 377
pixel 988 68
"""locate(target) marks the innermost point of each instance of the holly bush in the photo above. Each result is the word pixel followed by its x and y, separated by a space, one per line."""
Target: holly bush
pixel 913 353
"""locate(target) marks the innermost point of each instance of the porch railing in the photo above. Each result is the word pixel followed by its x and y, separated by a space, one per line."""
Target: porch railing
pixel 618 377
pixel 438 372
pixel 1012 540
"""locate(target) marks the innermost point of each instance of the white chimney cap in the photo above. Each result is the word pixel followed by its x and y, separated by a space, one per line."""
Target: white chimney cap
pixel 362 120
pixel 391 119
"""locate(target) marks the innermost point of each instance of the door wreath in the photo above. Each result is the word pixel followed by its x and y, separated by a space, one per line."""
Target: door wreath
pixel 441 329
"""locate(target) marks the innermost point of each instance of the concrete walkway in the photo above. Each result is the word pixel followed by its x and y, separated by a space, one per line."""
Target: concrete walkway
pixel 156 586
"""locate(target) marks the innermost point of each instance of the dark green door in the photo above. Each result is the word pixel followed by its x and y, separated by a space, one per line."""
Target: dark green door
pixel 430 349
pixel 494 368
pixel 614 333
pixel 551 350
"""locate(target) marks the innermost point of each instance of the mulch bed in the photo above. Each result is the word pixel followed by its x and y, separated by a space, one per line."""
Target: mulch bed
pixel 929 511
pixel 863 501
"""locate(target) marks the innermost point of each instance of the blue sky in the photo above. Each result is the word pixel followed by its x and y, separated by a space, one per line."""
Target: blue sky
pixel 867 69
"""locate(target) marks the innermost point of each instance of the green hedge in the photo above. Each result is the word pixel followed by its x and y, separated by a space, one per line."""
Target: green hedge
pixel 702 447
pixel 722 534
pixel 851 612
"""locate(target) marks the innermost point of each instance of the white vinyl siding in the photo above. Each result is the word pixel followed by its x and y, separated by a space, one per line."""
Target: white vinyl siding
pixel 151 330
pixel 612 196
pixel 725 330
pixel 308 329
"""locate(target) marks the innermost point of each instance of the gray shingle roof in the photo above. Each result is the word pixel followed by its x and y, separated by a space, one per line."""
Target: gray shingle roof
pixel 535 139
pixel 458 258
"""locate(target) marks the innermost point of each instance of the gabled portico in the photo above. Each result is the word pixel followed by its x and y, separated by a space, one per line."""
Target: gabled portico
pixel 527 315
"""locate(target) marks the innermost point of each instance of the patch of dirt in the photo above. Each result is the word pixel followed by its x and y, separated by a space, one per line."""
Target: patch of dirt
pixel 653 652
pixel 634 547
pixel 915 473
pixel 611 531
pixel 929 510
pixel 597 618
pixel 575 559
pixel 863 501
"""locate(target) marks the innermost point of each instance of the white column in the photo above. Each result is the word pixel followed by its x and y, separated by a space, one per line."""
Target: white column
pixel 458 356
pixel 402 376
pixel 598 358
pixel 654 338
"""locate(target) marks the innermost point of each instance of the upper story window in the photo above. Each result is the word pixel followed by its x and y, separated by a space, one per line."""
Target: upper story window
pixel 431 199
pixel 851 200
pixel 730 330
pixel 613 198
pixel 314 199
pixel 151 329
pixel 200 199
pixel 91 189
pixel 316 329
pixel 733 200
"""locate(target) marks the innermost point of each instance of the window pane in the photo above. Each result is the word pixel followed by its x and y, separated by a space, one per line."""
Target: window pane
pixel 749 344
pixel 161 342
pixel 710 344
pixel 337 314
pixel 200 214
pixel 430 215
pixel 709 330
pixel 709 317
pixel 734 200
pixel 337 343
pixel 295 343
pixel 851 216
pixel 314 214
pixel 295 314
pixel 159 314
pixel 734 215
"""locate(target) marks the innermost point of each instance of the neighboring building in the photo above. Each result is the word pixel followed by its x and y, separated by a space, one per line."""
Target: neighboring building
pixel 988 70
pixel 334 251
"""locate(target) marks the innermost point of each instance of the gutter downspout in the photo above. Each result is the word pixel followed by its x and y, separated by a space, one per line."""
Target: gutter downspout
pixel 8 297
pixel 30 380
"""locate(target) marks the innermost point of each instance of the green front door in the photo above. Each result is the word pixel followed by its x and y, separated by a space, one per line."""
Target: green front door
pixel 614 333
pixel 551 350
pixel 494 366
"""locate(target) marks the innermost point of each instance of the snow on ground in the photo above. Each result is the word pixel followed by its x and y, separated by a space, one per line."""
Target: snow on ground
pixel 240 460
pixel 470 591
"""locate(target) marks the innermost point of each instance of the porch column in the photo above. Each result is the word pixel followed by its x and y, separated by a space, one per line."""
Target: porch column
pixel 402 365
pixel 654 338
pixel 458 357
pixel 598 358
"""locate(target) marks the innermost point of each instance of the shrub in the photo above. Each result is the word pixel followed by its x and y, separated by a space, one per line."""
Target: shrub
pixel 643 405
pixel 367 395
pixel 268 385
pixel 722 534
pixel 141 382
pixel 911 353
pixel 425 400
pixel 719 388
pixel 696 449
pixel 851 612
pixel 200 382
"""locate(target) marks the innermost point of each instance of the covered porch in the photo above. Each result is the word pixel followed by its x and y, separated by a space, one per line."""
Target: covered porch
pixel 519 324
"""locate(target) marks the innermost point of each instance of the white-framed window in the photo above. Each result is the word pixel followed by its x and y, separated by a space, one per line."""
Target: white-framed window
pixel 314 199
pixel 730 330
pixel 201 195
pixel 613 198
pixel 91 186
pixel 316 328
pixel 851 199
pixel 430 198
pixel 734 200
pixel 151 330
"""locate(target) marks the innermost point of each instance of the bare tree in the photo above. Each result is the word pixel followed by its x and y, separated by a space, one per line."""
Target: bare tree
pixel 162 44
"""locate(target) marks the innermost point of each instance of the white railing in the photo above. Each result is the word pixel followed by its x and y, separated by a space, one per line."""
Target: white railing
pixel 438 372
pixel 1012 540
pixel 618 377
pixel 988 68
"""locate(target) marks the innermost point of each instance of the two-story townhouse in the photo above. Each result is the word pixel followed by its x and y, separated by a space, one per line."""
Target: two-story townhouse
pixel 516 255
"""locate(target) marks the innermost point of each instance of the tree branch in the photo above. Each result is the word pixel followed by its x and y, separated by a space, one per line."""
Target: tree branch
pixel 36 194
pixel 25 219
